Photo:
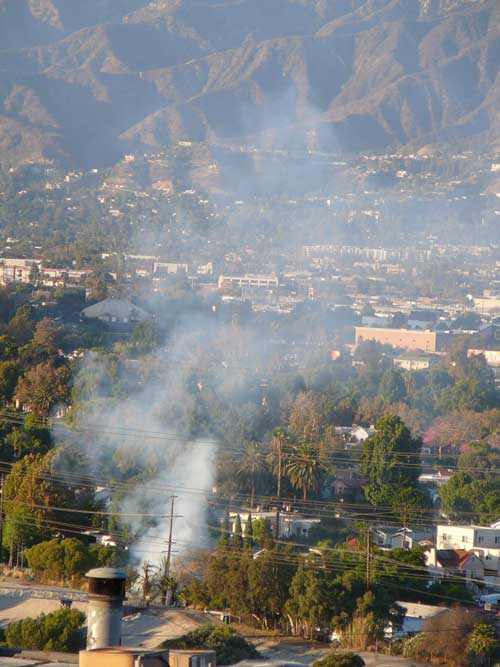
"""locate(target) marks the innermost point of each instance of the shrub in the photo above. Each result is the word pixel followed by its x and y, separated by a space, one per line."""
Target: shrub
pixel 411 647
pixel 64 560
pixel 60 630
pixel 229 646
pixel 340 660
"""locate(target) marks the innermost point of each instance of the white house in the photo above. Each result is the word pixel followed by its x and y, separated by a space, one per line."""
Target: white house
pixel 291 524
pixel 484 541
pixel 467 564
pixel 416 615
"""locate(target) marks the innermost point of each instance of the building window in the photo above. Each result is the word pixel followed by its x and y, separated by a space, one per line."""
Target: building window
pixel 497 539
pixel 445 536
pixel 480 539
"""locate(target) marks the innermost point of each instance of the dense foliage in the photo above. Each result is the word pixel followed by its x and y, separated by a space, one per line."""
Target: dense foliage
pixel 340 660
pixel 61 630
pixel 458 638
pixel 228 645
pixel 68 559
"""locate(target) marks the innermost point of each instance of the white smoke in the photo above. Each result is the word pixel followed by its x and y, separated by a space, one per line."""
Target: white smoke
pixel 131 422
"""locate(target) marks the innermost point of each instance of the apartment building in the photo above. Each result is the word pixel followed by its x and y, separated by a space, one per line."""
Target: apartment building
pixel 483 541
pixel 406 339
pixel 249 280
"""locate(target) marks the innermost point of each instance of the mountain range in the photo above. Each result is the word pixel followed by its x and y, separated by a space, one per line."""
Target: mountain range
pixel 84 81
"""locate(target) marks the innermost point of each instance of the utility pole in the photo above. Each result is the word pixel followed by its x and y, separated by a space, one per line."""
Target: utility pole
pixel 405 531
pixel 169 552
pixel 368 556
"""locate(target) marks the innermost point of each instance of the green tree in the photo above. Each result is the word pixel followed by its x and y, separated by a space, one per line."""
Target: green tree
pixel 145 336
pixel 305 469
pixel 392 387
pixel 165 582
pixel 464 498
pixel 9 375
pixel 220 570
pixel 47 335
pixel 6 306
pixel 225 529
pixel 474 387
pixel 248 541
pixel 229 647
pixel 269 578
pixel 484 644
pixel 20 530
pixel 311 417
pixel 277 456
pixel 237 533
pixel 251 467
pixel 8 348
pixel 340 660
pixel 262 533
pixel 61 560
pixel 60 630
pixel 309 604
pixel 20 328
pixel 390 461
pixel 43 387
pixel 30 491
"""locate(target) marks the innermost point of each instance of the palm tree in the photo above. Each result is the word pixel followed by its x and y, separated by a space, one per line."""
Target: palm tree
pixel 251 466
pixel 277 456
pixel 305 469
pixel 165 582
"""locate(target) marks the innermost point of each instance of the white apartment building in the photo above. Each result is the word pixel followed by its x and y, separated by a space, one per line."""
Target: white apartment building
pixel 249 280
pixel 483 541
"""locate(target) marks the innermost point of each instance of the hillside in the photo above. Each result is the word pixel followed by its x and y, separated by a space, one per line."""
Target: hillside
pixel 84 82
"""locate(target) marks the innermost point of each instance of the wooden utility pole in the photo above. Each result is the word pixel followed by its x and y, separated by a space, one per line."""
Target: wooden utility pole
pixel 169 551
pixel 368 556
pixel 405 531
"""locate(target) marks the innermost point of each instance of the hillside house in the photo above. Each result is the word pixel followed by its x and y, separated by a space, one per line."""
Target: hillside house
pixel 118 313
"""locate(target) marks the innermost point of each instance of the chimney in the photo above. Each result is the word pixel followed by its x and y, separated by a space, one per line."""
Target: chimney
pixel 104 618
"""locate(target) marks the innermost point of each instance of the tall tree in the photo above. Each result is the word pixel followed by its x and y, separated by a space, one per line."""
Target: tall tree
pixel 277 456
pixel 29 494
pixel 47 335
pixel 225 529
pixel 251 466
pixel 390 461
pixel 43 387
pixel 311 417
pixel 309 604
pixel 305 469
pixel 9 375
pixel 237 533
pixel 21 326
pixel 248 541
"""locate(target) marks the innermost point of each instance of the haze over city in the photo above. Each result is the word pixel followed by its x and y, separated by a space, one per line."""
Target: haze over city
pixel 250 332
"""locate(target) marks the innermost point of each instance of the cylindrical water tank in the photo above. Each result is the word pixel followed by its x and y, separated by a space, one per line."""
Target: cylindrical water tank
pixel 104 617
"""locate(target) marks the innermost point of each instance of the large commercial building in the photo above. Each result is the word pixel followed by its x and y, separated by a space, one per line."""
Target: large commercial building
pixel 249 280
pixel 405 339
